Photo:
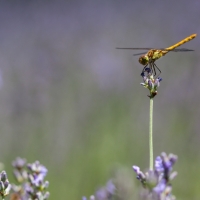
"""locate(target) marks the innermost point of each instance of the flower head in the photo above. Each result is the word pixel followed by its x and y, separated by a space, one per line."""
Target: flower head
pixel 32 179
pixel 36 187
pixel 164 164
pixel 5 186
pixel 150 82
pixel 158 180
pixel 103 193
pixel 20 173
pixel 107 192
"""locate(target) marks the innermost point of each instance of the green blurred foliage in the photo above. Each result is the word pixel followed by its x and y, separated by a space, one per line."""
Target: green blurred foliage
pixel 72 101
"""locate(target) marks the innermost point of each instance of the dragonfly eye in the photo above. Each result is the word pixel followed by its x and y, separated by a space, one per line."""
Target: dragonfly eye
pixel 143 60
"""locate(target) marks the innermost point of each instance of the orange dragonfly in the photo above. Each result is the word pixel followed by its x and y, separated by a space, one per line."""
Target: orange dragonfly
pixel 149 58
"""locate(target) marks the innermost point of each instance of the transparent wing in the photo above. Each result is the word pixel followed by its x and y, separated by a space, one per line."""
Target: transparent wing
pixel 135 48
pixel 181 50
pixel 137 54
pixel 176 50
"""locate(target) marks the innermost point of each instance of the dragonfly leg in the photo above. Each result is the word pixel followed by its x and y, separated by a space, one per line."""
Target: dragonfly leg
pixel 155 66
pixel 153 69
pixel 144 68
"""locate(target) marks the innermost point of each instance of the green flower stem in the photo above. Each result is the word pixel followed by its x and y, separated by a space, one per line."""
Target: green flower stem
pixel 151 135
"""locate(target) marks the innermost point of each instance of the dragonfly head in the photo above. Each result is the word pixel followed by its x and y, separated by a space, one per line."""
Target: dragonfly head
pixel 144 60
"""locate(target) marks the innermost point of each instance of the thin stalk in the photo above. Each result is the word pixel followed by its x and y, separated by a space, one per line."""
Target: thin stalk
pixel 151 135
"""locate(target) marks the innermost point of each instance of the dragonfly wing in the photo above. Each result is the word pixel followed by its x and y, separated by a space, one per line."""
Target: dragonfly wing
pixel 135 48
pixel 182 50
pixel 176 50
pixel 138 54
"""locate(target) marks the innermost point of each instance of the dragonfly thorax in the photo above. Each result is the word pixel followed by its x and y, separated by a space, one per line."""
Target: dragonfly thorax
pixel 144 60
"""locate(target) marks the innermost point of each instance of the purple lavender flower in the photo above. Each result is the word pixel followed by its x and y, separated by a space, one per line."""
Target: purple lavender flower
pixel 160 186
pixel 164 164
pixel 37 186
pixel 158 164
pixel 19 171
pixel 150 82
pixel 107 192
pixel 158 181
pixel 19 163
pixel 140 176
pixel 32 176
pixel 110 187
pixel 101 194
pixel 5 186
pixel 104 193
pixel 37 168
pixel 157 82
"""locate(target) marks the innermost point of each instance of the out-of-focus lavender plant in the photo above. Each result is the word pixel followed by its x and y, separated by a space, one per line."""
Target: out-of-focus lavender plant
pixel 31 177
pixel 120 187
pixel 104 193
pixel 158 181
pixel 5 186
pixel 20 172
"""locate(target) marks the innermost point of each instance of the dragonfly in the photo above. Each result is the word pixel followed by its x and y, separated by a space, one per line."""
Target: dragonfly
pixel 149 57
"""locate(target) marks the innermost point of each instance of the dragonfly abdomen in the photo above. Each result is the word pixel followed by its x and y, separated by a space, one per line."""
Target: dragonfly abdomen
pixel 187 39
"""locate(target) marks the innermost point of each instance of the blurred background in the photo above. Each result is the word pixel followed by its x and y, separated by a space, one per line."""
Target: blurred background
pixel 72 101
